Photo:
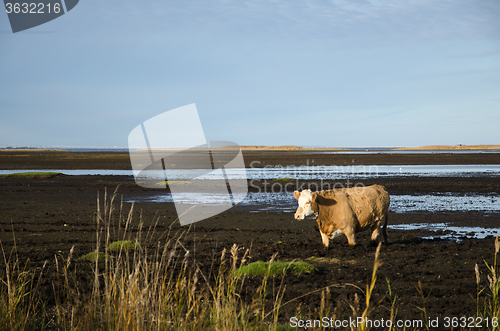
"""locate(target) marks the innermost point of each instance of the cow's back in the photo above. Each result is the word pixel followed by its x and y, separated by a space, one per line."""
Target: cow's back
pixel 361 205
pixel 368 203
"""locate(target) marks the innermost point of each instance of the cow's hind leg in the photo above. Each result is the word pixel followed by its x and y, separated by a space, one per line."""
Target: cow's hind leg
pixel 376 232
pixel 386 237
pixel 375 238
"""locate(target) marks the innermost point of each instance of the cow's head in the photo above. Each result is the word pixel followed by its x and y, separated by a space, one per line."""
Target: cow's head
pixel 306 200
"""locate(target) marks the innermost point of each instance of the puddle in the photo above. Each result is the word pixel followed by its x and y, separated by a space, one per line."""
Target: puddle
pixel 450 232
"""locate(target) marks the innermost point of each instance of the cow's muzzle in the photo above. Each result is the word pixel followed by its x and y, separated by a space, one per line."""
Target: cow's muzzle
pixel 298 217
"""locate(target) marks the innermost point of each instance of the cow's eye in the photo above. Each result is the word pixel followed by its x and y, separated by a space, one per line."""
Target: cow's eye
pixel 307 203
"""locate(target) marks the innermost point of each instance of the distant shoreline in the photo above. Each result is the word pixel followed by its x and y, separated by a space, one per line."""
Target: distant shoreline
pixel 449 148
pixel 291 148
pixel 419 148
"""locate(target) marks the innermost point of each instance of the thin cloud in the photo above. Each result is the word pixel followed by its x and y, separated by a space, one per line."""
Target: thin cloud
pixel 472 55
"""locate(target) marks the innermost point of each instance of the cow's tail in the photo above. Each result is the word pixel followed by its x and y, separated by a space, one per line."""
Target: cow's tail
pixel 386 238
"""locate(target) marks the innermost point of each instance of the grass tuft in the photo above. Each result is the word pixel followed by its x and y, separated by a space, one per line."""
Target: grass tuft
pixel 123 245
pixel 275 269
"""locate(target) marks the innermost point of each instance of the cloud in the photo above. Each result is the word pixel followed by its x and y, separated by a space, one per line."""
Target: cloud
pixel 365 21
pixel 343 23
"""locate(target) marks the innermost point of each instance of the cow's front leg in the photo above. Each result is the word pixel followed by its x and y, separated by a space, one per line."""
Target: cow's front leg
pixel 351 237
pixel 326 240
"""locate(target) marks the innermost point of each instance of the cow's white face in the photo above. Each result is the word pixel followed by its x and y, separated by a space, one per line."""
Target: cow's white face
pixel 306 199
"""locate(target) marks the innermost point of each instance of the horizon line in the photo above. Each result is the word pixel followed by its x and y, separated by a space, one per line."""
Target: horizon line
pixel 253 147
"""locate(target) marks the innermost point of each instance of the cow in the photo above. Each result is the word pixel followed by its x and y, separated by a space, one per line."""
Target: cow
pixel 347 211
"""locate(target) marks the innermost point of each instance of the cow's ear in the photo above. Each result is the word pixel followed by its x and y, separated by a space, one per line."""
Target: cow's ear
pixel 296 194
pixel 313 197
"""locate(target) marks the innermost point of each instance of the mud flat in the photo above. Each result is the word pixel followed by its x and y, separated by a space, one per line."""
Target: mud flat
pixel 48 216
pixel 14 159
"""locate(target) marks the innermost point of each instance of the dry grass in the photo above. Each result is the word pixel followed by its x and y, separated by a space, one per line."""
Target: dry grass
pixel 156 286
pixel 488 296
pixel 20 304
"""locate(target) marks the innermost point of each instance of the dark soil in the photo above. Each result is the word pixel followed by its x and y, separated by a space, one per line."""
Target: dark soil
pixel 46 217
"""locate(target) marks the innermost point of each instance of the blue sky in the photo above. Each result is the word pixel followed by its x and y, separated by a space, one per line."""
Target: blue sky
pixel 309 73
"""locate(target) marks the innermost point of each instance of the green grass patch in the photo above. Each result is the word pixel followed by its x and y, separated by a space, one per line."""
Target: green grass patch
pixel 277 269
pixel 284 179
pixel 94 256
pixel 35 174
pixel 124 244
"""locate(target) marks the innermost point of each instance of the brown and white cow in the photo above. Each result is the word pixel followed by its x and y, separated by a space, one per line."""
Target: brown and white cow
pixel 346 211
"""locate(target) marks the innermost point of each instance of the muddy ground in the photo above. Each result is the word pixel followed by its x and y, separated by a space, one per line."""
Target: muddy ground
pixel 48 216
pixel 23 159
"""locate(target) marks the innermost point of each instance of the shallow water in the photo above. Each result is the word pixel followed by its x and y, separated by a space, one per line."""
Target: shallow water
pixel 451 232
pixel 285 202
pixel 445 202
pixel 312 172
pixel 369 171
pixel 79 172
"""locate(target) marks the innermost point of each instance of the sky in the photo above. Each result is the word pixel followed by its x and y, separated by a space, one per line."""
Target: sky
pixel 261 72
